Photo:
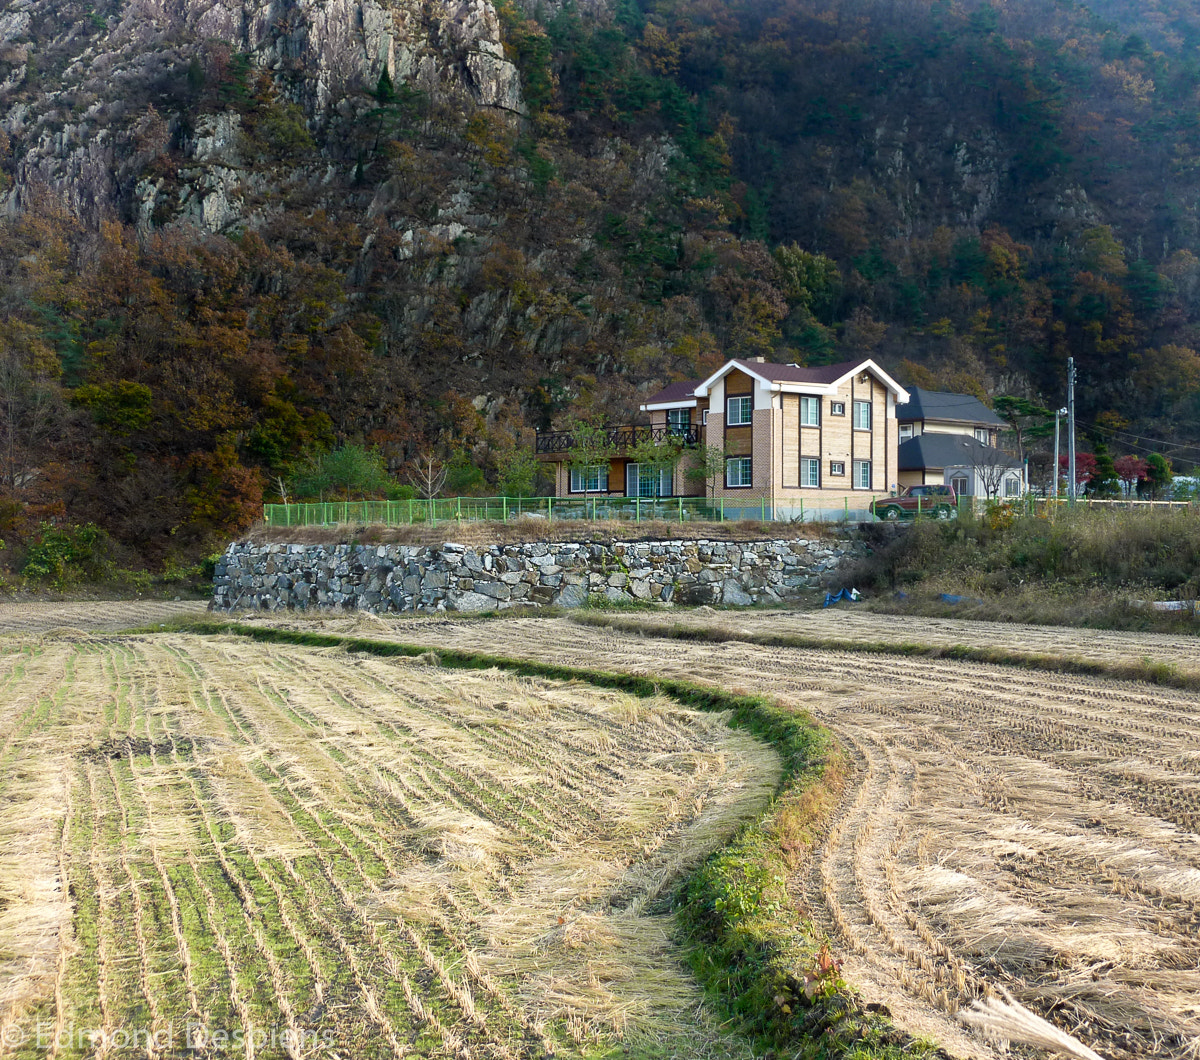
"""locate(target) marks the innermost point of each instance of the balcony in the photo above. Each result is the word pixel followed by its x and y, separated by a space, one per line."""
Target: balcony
pixel 620 438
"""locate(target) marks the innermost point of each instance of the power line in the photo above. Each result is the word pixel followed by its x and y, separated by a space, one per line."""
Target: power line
pixel 1132 440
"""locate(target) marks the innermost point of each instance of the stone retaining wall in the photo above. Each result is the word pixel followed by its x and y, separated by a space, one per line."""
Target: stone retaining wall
pixel 450 577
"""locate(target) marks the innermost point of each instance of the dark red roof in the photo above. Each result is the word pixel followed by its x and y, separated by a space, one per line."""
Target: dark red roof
pixel 790 373
pixel 683 391
pixel 776 373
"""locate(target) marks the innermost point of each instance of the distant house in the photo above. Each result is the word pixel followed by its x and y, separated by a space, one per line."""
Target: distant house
pixel 951 439
pixel 798 442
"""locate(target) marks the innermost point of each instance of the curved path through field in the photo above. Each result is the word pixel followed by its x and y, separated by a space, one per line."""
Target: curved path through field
pixel 1010 827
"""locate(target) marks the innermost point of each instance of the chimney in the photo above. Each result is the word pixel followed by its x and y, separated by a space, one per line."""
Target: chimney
pixel 757 360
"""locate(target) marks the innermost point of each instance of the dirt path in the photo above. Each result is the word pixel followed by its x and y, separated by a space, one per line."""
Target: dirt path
pixel 92 616
pixel 1018 828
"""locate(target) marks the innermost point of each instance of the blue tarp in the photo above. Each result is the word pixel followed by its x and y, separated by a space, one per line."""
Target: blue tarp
pixel 841 594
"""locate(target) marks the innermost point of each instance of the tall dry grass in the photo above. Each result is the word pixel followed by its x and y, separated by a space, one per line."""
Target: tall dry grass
pixel 1079 566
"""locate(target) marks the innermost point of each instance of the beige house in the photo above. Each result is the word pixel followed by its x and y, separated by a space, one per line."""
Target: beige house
pixel 795 442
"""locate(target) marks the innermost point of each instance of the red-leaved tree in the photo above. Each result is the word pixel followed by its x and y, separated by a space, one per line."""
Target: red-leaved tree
pixel 1085 468
pixel 1130 470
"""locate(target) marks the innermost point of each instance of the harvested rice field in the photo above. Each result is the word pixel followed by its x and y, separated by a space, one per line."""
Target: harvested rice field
pixel 210 846
pixel 65 617
pixel 848 625
pixel 1002 827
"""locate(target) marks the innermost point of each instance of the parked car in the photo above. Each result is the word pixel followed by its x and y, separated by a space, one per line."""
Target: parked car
pixel 941 502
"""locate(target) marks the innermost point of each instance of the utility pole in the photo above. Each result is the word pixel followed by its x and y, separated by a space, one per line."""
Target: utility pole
pixel 1058 414
pixel 1071 429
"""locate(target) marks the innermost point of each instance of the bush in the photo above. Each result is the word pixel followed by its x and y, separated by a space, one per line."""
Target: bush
pixel 67 555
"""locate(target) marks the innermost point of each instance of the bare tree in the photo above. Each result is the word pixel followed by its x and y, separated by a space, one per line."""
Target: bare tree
pixel 427 475
pixel 992 466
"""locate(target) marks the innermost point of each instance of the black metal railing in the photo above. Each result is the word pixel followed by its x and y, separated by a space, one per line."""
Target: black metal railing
pixel 618 437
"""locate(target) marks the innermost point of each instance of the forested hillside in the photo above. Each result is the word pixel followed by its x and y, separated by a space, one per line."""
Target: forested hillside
pixel 241 235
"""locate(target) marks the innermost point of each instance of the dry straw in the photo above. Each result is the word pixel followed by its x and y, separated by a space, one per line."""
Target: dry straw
pixel 1011 1021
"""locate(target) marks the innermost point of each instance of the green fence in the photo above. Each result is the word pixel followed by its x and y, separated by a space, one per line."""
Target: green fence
pixel 445 509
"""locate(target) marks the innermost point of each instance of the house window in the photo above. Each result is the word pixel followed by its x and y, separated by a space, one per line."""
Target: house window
pixel 589 479
pixel 906 432
pixel 737 471
pixel 837 408
pixel 837 467
pixel 679 421
pixel 961 485
pixel 647 480
pixel 862 415
pixel 740 410
pixel 862 473
pixel 981 436
pixel 810 412
pixel 1012 486
pixel 810 471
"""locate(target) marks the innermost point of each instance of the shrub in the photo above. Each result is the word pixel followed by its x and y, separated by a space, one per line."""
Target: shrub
pixel 67 555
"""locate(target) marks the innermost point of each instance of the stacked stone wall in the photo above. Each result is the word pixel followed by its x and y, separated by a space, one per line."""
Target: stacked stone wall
pixel 452 577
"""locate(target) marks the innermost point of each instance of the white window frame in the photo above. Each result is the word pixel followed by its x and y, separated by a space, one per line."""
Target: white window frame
pixel 862 415
pixel 862 475
pixel 1012 486
pixel 597 473
pixel 745 472
pixel 837 468
pixel 965 490
pixel 907 432
pixel 745 407
pixel 837 408
pixel 677 427
pixel 810 411
pixel 810 472
pixel 704 418
pixel 983 436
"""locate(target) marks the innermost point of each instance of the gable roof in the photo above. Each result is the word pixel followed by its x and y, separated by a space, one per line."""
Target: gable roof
pixel 951 408
pixel 823 379
pixel 820 379
pixel 950 450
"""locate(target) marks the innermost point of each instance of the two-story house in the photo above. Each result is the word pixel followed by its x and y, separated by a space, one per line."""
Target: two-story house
pixel 796 442
pixel 951 439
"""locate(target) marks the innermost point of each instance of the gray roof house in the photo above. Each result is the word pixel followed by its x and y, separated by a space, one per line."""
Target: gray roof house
pixel 950 439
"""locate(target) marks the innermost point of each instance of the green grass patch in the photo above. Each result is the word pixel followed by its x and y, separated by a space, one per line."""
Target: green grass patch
pixel 771 974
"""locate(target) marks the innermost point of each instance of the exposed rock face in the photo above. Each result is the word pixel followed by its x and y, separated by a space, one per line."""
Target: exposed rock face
pixel 387 578
pixel 79 134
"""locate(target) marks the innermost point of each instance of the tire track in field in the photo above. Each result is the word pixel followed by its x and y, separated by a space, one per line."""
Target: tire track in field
pixel 1003 827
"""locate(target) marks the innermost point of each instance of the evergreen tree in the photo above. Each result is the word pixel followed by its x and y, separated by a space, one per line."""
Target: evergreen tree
pixel 1104 482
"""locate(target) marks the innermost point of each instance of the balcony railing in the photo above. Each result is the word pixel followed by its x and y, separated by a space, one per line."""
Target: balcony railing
pixel 618 437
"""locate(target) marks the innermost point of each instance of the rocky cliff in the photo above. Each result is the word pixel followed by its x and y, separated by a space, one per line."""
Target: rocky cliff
pixel 79 89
